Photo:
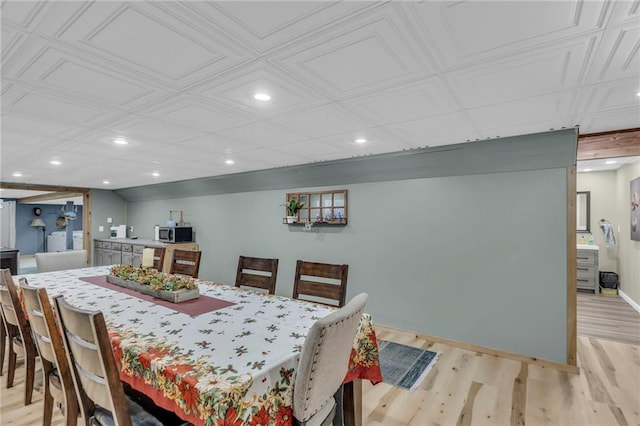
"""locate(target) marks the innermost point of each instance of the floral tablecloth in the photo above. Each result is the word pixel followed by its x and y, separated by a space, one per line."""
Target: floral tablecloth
pixel 232 366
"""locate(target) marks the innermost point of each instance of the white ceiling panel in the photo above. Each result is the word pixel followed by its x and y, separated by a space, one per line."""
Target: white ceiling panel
pixel 177 79
pixel 368 56
pixel 323 121
pixel 190 112
pixel 21 13
pixel 473 31
pixel 239 89
pixel 454 127
pixel 554 107
pixel 406 102
pixel 264 134
pixel 618 54
pixel 522 76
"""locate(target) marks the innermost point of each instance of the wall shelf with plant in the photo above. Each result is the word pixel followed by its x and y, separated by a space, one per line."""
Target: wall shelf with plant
pixel 317 208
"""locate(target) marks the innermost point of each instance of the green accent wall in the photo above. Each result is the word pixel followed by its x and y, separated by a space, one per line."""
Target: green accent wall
pixel 466 242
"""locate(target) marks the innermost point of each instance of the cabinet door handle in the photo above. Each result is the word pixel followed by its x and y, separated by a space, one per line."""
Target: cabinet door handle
pixel 583 280
pixel 583 269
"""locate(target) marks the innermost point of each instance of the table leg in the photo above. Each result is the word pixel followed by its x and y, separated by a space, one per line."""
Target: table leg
pixel 352 399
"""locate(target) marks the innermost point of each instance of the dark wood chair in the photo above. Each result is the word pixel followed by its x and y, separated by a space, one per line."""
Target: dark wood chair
pixel 185 262
pixel 94 370
pixel 58 383
pixel 257 273
pixel 18 334
pixel 331 289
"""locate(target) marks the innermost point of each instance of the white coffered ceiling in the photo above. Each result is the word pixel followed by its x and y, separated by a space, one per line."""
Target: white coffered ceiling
pixel 177 79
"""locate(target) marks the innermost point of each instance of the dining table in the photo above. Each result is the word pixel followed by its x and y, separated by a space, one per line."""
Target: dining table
pixel 227 357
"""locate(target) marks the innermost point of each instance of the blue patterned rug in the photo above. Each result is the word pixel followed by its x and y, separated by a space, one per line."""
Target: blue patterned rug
pixel 404 366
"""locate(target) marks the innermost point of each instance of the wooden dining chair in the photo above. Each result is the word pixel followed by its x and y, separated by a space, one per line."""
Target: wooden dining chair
pixel 321 281
pixel 186 262
pixel 257 273
pixel 18 335
pixel 158 258
pixel 94 370
pixel 57 383
pixel 324 361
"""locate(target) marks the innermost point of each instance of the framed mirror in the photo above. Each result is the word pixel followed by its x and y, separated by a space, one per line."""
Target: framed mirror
pixel 583 211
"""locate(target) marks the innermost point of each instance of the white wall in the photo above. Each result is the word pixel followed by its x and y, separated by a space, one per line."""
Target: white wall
pixel 629 259
pixel 602 186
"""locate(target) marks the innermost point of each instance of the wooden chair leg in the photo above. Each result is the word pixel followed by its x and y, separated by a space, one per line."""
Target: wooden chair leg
pixel 3 346
pixel 30 365
pixel 71 410
pixel 11 372
pixel 48 401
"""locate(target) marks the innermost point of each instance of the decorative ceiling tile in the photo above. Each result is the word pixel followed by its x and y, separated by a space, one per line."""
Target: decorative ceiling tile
pixel 618 54
pixel 463 32
pixel 21 13
pixel 264 134
pixel 522 76
pixel 425 131
pixel 361 58
pixel 405 102
pixel 322 121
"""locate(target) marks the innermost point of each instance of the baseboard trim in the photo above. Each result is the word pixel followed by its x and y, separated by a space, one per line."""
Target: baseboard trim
pixel 492 351
pixel 629 300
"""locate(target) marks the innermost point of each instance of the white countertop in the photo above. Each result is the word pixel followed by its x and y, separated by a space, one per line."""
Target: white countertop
pixel 587 247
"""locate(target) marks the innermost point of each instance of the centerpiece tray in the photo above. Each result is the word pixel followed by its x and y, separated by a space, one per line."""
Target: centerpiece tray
pixel 175 296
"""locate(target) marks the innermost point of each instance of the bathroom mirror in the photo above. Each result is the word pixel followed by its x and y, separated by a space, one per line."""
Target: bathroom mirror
pixel 583 211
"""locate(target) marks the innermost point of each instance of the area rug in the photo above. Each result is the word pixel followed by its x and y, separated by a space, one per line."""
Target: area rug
pixel 404 366
pixel 25 271
pixel 193 307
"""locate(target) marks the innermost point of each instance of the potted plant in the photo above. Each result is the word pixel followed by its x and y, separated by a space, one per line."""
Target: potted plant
pixel 292 210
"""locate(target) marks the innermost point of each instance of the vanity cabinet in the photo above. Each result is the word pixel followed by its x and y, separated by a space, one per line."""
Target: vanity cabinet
pixel 587 268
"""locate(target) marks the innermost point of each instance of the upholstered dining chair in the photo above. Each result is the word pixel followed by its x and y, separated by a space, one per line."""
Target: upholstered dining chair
pixel 18 334
pixel 95 374
pixel 186 262
pixel 324 282
pixel 257 273
pixel 324 362
pixel 57 383
pixel 58 261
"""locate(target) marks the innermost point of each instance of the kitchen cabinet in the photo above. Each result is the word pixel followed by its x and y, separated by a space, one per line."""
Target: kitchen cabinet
pixel 127 251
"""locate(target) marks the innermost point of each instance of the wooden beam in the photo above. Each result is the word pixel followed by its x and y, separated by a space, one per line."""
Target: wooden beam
pixel 572 283
pixel 622 143
pixel 37 187
pixel 49 196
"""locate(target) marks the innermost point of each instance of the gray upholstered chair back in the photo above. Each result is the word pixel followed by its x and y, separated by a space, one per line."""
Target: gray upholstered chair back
pixel 72 259
pixel 324 361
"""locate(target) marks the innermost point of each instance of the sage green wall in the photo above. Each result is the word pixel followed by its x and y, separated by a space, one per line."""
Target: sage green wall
pixel 629 259
pixel 105 204
pixel 444 256
pixel 602 186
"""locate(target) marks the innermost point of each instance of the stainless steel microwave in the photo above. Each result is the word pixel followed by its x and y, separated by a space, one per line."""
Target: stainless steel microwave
pixel 177 234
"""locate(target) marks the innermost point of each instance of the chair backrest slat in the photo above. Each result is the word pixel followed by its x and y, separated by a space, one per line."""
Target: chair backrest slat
pixel 305 286
pixel 257 272
pixel 186 262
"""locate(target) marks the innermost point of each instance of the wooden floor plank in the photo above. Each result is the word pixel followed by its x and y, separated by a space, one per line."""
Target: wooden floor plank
pixel 607 317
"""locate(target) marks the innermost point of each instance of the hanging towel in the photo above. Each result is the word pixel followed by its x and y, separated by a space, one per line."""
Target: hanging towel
pixel 609 237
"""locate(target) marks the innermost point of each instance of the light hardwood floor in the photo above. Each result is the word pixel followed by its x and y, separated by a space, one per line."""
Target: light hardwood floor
pixel 471 388
pixel 608 317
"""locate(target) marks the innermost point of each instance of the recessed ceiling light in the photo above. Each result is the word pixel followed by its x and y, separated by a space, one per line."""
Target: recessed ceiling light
pixel 155 174
pixel 361 140
pixel 587 170
pixel 17 174
pixel 106 182
pixel 120 141
pixel 610 162
pixel 229 162
pixel 55 162
pixel 262 97
pixel 638 94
